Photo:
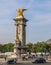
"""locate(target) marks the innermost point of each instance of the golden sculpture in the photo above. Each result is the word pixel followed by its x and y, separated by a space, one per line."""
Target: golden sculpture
pixel 20 13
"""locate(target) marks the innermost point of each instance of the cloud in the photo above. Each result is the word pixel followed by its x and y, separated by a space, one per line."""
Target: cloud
pixel 7 31
pixel 46 5
pixel 29 4
pixel 40 20
pixel 41 6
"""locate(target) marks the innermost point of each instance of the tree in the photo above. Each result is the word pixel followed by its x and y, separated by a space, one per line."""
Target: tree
pixel 29 47
pixel 6 47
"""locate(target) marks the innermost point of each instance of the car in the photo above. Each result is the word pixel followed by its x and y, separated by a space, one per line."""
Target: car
pixel 39 60
pixel 12 61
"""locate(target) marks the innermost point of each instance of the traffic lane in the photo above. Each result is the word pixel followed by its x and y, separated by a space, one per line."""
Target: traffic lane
pixel 48 63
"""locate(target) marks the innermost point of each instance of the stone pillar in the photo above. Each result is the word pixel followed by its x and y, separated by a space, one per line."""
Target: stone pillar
pixel 20 42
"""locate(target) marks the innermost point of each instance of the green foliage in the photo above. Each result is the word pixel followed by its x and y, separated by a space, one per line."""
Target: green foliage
pixel 39 47
pixel 29 47
pixel 6 47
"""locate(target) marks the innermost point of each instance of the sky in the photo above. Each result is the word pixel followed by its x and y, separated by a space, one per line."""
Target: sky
pixel 39 20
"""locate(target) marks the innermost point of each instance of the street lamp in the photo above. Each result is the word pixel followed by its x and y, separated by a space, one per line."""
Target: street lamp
pixel 45 52
pixel 50 51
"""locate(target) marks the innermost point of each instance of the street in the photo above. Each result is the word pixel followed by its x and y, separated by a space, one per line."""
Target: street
pixel 25 62
pixel 49 63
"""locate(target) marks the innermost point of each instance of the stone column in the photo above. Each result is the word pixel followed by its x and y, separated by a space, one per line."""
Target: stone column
pixel 20 42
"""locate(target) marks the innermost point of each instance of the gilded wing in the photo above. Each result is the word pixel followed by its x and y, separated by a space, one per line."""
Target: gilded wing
pixel 20 12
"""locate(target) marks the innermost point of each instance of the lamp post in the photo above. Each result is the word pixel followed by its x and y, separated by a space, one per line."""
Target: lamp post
pixel 50 51
pixel 45 52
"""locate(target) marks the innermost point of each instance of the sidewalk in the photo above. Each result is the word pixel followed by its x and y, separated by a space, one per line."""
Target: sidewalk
pixel 25 61
pixel 48 61
pixel 29 61
pixel 20 61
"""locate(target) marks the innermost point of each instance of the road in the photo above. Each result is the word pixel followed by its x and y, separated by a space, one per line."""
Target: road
pixel 48 63
pixel 3 62
pixel 28 64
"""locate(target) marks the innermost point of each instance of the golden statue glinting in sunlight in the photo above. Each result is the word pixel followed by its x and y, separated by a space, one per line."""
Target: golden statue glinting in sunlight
pixel 20 13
